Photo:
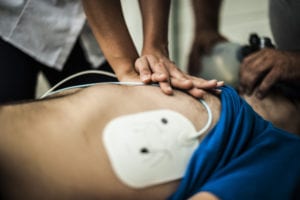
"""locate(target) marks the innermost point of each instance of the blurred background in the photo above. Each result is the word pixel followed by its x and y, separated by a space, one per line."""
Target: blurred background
pixel 239 18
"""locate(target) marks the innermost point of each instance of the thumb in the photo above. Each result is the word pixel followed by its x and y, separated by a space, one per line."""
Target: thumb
pixel 267 83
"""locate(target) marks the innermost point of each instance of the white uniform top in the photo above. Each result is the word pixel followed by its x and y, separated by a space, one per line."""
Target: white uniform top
pixel 48 29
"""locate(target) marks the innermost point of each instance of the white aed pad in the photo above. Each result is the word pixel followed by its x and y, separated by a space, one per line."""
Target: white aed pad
pixel 146 149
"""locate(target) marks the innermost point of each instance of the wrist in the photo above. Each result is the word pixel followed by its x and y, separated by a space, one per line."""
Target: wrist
pixel 156 49
pixel 123 68
pixel 204 34
pixel 206 39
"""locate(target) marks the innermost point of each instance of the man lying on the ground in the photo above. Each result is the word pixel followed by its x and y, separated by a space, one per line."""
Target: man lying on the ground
pixel 134 142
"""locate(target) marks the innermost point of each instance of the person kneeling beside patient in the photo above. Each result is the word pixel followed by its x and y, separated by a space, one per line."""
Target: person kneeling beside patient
pixel 62 147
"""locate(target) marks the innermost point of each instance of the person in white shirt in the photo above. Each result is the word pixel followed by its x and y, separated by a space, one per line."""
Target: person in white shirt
pixel 44 35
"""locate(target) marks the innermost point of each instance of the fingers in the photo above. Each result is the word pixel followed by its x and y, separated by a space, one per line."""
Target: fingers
pixel 161 75
pixel 142 66
pixel 201 86
pixel 195 86
pixel 199 93
pixel 248 73
pixel 168 75
pixel 253 70
pixel 204 84
pixel 196 92
pixel 151 70
pixel 178 78
pixel 166 88
pixel 271 78
pixel 212 86
pixel 183 84
pixel 220 83
pixel 260 71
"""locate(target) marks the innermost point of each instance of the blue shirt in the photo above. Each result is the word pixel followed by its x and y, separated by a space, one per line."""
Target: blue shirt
pixel 243 157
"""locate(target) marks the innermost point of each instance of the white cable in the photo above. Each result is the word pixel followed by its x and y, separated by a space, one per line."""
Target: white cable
pixel 91 84
pixel 51 92
pixel 208 123
pixel 76 75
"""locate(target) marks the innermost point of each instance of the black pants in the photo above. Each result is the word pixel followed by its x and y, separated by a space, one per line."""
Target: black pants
pixel 18 72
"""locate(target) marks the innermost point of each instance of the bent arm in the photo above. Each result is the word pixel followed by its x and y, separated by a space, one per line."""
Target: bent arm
pixel 207 23
pixel 155 58
pixel 109 27
pixel 206 33
pixel 207 15
pixel 155 15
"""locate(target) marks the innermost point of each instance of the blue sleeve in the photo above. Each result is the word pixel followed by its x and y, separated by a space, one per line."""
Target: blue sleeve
pixel 243 157
pixel 269 169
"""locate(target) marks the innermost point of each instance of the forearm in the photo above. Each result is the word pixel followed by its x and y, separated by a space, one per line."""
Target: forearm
pixel 108 25
pixel 155 15
pixel 206 15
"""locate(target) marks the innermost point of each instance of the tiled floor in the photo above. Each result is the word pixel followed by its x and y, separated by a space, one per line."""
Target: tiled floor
pixel 239 18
